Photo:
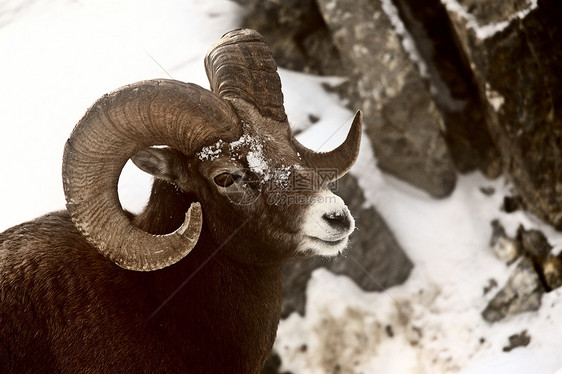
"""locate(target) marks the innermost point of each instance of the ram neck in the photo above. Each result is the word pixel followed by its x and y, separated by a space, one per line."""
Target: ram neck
pixel 225 311
pixel 229 315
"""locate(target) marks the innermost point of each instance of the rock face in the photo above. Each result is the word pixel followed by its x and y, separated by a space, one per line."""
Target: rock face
pixel 452 86
pixel 513 48
pixel 489 96
pixel 401 118
pixel 374 260
pixel 296 34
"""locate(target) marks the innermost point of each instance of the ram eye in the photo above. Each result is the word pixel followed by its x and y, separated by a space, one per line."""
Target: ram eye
pixel 225 179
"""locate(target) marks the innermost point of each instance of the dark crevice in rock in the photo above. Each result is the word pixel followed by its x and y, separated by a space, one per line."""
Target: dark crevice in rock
pixel 541 276
pixel 453 86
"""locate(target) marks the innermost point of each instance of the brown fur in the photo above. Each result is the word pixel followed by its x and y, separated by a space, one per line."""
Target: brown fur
pixel 65 308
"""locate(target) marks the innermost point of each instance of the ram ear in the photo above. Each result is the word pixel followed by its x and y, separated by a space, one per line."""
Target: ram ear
pixel 163 163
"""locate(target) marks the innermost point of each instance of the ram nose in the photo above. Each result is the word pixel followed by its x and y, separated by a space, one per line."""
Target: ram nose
pixel 339 220
pixel 327 226
pixel 334 223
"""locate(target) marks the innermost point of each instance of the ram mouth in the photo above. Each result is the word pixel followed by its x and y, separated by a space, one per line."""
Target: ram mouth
pixel 331 243
pixel 314 246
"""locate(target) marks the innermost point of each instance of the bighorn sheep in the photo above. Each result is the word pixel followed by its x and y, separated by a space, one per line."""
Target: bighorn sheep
pixel 64 304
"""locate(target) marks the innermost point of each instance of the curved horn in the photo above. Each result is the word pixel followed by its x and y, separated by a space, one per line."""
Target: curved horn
pixel 240 66
pixel 342 158
pixel 157 112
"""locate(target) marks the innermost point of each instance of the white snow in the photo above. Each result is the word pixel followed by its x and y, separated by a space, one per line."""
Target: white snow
pixel 253 147
pixel 435 315
pixel 257 162
pixel 486 31
pixel 494 98
pixel 211 152
pixel 59 56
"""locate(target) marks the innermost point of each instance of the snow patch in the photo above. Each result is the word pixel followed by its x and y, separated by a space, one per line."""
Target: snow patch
pixel 60 56
pixel 257 162
pixel 253 146
pixel 494 98
pixel 281 177
pixel 486 31
pixel 211 152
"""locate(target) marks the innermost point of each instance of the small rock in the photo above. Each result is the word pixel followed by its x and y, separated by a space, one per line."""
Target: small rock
pixel 512 204
pixel 389 331
pixel 497 231
pixel 518 340
pixel 273 365
pixel 313 118
pixel 505 248
pixel 534 244
pixel 488 191
pixel 552 270
pixel 522 293
pixel 491 284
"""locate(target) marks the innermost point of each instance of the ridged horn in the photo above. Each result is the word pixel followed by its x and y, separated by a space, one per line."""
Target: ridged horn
pixel 240 66
pixel 156 112
pixel 342 158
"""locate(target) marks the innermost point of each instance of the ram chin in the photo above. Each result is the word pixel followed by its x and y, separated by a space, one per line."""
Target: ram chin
pixel 312 246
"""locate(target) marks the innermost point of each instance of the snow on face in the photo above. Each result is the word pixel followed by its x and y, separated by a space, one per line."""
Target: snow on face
pixel 252 147
pixel 255 157
pixel 211 152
